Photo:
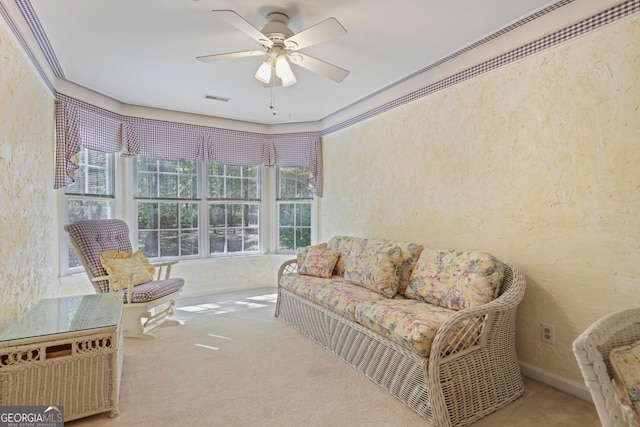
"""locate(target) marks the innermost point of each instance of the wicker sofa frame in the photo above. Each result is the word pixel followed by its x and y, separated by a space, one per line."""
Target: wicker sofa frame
pixel 472 369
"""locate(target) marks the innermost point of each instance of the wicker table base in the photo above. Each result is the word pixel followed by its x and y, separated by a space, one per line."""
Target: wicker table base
pixel 74 363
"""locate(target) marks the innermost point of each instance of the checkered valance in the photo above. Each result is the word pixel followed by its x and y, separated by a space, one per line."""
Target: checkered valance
pixel 82 125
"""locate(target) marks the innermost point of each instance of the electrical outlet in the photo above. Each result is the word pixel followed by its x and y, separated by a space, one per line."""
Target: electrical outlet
pixel 547 333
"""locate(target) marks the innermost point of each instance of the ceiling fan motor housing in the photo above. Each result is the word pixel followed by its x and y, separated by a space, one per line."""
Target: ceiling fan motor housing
pixel 276 29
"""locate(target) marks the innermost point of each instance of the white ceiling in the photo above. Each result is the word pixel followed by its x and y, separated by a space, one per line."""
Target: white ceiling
pixel 142 52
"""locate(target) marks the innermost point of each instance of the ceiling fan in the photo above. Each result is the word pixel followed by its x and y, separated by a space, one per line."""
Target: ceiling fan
pixel 281 45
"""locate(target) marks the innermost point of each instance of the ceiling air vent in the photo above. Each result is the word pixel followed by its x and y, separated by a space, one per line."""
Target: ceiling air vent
pixel 216 98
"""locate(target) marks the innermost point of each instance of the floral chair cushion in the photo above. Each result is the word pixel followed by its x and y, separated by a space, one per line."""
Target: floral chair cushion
pixel 374 265
pixel 319 262
pixel 455 279
pixel 625 362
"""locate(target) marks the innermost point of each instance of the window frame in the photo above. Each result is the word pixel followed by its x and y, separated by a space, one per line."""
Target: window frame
pixel 279 200
pixel 114 172
pixel 124 205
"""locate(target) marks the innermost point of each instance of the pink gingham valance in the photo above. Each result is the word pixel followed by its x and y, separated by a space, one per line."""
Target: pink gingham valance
pixel 82 125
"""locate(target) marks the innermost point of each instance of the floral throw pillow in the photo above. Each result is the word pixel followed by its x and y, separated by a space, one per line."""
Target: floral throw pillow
pixel 301 253
pixel 319 262
pixel 455 279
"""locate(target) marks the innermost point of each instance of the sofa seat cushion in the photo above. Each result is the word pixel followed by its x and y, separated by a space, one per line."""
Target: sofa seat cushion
pixel 303 285
pixel 341 297
pixel 456 279
pixel 156 289
pixel 410 323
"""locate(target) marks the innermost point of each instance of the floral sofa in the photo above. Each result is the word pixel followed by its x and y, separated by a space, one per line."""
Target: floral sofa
pixel 435 328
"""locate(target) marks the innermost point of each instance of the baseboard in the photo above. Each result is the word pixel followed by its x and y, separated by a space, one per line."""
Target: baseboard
pixel 552 380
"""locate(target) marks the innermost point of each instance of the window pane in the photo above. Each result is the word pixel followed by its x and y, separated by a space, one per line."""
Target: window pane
pixel 251 239
pixel 148 243
pixel 234 188
pixel 169 243
pixel 286 213
pixel 250 189
pixel 147 216
pixel 189 243
pixel 233 170
pixel 93 174
pixel 167 166
pixel 189 215
pixel 287 238
pixel 88 209
pixel 216 241
pixel 168 215
pixel 216 187
pixel 293 183
pixel 168 186
pixel 147 184
pixel 303 214
pixel 234 215
pixel 145 164
pixel 216 168
pixel 218 215
pixel 234 240
pixel 303 237
pixel 251 216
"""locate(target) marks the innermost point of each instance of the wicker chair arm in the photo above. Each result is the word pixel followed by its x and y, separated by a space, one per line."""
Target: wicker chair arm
pixel 160 266
pixel 118 282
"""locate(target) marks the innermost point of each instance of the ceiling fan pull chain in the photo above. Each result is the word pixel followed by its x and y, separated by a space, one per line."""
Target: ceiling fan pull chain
pixel 272 106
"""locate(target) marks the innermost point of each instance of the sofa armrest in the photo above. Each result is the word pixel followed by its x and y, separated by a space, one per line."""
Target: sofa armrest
pixel 470 328
pixel 290 266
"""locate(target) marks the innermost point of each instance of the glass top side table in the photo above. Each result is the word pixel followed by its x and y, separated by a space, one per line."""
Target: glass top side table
pixel 65 352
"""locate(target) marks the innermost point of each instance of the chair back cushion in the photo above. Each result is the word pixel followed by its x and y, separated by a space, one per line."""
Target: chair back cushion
pixel 92 237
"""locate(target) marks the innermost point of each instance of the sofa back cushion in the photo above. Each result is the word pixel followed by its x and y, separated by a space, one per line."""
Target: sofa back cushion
pixel 409 254
pixel 374 265
pixel 343 245
pixel 455 279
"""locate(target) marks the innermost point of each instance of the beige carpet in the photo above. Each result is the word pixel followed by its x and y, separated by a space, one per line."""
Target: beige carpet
pixel 233 364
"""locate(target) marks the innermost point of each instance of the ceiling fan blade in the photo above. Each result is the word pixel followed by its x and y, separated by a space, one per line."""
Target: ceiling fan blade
pixel 317 66
pixel 321 32
pixel 243 25
pixel 232 55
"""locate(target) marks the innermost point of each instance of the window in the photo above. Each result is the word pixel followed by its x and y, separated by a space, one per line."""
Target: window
pixel 294 208
pixel 167 205
pixel 91 196
pixel 234 208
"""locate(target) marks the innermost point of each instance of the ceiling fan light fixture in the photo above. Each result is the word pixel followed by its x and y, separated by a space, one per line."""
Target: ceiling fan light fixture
pixel 264 72
pixel 283 70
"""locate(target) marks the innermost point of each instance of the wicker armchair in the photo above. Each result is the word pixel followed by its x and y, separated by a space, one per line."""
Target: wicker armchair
pixel 592 349
pixel 146 305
